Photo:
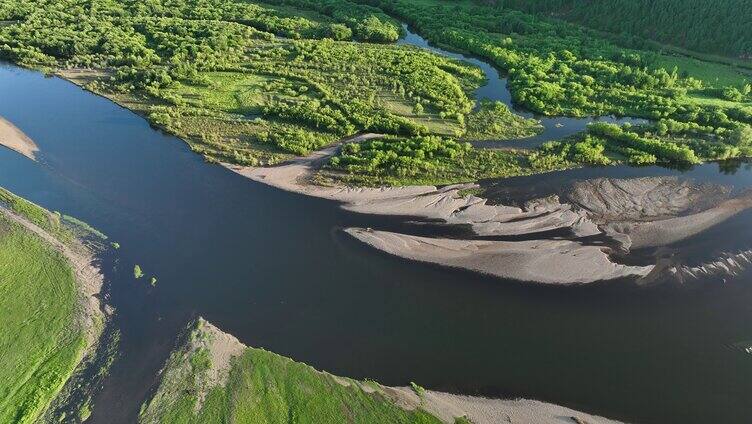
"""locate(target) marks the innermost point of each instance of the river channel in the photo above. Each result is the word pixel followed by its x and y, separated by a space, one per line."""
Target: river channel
pixel 274 269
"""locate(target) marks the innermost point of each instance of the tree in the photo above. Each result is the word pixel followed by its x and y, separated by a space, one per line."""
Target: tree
pixel 746 89
pixel 137 272
pixel 732 94
pixel 741 136
pixel 340 32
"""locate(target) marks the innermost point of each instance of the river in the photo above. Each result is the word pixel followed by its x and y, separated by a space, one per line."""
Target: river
pixel 495 89
pixel 273 269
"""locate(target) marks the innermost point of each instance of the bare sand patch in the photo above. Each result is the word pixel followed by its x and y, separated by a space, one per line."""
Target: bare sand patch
pixel 479 410
pixel 631 213
pixel 663 232
pixel 546 261
pixel 14 139
pixel 644 198
pixel 562 262
pixel 222 348
pixel 492 411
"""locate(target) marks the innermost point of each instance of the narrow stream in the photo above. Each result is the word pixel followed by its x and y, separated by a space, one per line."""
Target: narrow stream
pixel 274 269
pixel 554 128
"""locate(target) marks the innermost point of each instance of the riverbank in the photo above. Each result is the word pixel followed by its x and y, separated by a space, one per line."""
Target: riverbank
pixel 390 319
pixel 572 260
pixel 14 139
pixel 631 213
pixel 403 162
pixel 50 308
pixel 211 375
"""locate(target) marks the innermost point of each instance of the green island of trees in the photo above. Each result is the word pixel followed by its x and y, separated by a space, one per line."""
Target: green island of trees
pixel 255 83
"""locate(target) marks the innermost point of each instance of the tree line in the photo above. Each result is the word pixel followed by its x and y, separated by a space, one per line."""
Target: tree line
pixel 720 26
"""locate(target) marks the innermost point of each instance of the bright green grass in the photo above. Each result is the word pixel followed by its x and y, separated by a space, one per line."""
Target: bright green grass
pixel 40 344
pixel 50 222
pixel 294 12
pixel 710 73
pixel 267 388
pixel 232 92
pixel 703 99
pixel 432 121
pixel 494 121
pixel 475 165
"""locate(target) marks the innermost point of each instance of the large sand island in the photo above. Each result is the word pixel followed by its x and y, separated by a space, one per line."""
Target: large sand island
pixel 513 242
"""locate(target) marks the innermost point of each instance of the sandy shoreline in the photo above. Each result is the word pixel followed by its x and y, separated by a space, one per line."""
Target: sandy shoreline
pixel 652 219
pixel 560 262
pixel 14 139
pixel 632 213
pixel 446 204
pixel 480 410
pixel 550 262
pixel 672 230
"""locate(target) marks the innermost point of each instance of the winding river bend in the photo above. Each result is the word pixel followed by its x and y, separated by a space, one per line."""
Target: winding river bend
pixel 273 268
pixel 554 128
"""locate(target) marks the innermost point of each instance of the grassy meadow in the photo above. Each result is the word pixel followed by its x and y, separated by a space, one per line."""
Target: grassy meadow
pixel 41 341
pixel 263 387
pixel 48 326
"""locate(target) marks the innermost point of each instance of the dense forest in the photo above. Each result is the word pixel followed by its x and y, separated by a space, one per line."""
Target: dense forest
pixel 247 82
pixel 720 26
pixel 556 68
pixel 253 83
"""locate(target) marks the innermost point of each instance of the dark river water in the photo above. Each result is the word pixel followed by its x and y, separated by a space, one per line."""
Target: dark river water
pixel 274 269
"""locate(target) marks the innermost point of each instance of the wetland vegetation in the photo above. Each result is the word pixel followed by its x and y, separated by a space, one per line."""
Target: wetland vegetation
pixel 256 83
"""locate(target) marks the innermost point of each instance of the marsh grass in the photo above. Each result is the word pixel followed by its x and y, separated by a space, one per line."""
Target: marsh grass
pixel 495 121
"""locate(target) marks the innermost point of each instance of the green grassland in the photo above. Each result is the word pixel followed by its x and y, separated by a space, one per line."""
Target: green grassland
pixel 40 340
pixel 50 222
pixel 44 335
pixel 263 387
pixel 713 99
pixel 494 121
pixel 64 228
pixel 712 74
